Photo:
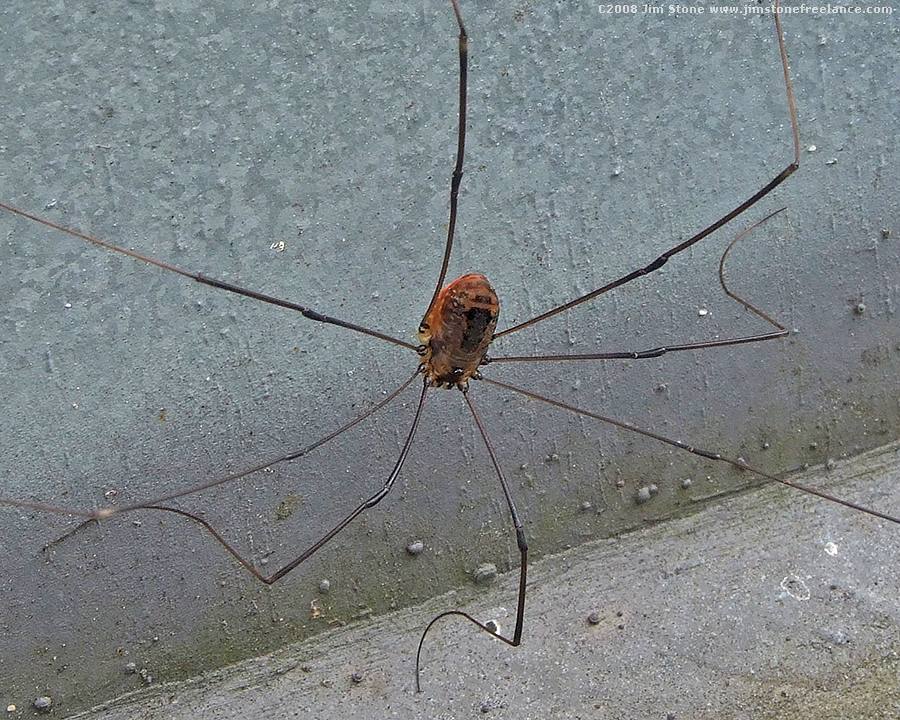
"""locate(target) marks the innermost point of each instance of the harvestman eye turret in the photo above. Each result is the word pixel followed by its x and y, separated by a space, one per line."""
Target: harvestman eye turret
pixel 454 336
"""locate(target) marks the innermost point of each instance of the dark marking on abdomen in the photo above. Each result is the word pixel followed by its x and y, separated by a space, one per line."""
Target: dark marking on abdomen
pixel 477 321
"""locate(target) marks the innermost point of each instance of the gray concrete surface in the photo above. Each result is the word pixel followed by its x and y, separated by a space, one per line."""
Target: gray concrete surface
pixel 763 607
pixel 204 133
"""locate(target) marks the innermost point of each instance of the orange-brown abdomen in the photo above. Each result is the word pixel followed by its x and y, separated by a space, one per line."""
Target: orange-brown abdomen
pixel 458 329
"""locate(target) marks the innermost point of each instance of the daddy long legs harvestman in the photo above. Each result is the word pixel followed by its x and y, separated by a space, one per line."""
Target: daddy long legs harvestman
pixel 435 391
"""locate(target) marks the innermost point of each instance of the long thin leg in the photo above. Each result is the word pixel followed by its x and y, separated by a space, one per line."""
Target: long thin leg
pixel 102 513
pixel 456 179
pixel 637 354
pixel 735 462
pixel 780 330
pixel 749 202
pixel 315 547
pixel 212 282
pixel 522 544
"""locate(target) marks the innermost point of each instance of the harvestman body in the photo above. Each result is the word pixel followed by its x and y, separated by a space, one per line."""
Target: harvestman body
pixel 455 333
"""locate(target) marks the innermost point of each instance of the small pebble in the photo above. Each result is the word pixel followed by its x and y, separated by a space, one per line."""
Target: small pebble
pixel 131 668
pixel 10 708
pixel 831 161
pixel 620 483
pixel 766 446
pixel 686 483
pixel 835 637
pixel 488 705
pixel 703 312
pixel 485 573
pixel 324 586
pixel 586 505
pixel 643 495
pixel 594 618
pixel 357 677
pixel 811 148
pixel 653 488
pixel 43 703
pixel 493 626
pixel 885 233
pixel 415 548
pixel 830 464
pixel 860 308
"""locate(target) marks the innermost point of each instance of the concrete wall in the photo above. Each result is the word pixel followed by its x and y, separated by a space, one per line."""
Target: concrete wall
pixel 203 135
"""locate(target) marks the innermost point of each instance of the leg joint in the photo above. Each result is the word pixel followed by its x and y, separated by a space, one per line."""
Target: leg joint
pixel 520 540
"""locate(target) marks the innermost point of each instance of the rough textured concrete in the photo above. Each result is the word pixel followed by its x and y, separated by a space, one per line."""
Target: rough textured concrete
pixel 762 608
pixel 203 135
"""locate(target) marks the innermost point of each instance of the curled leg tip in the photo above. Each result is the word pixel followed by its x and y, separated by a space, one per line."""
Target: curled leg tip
pixel 65 536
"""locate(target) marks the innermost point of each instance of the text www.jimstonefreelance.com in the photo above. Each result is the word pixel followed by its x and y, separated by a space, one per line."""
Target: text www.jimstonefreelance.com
pixel 742 10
